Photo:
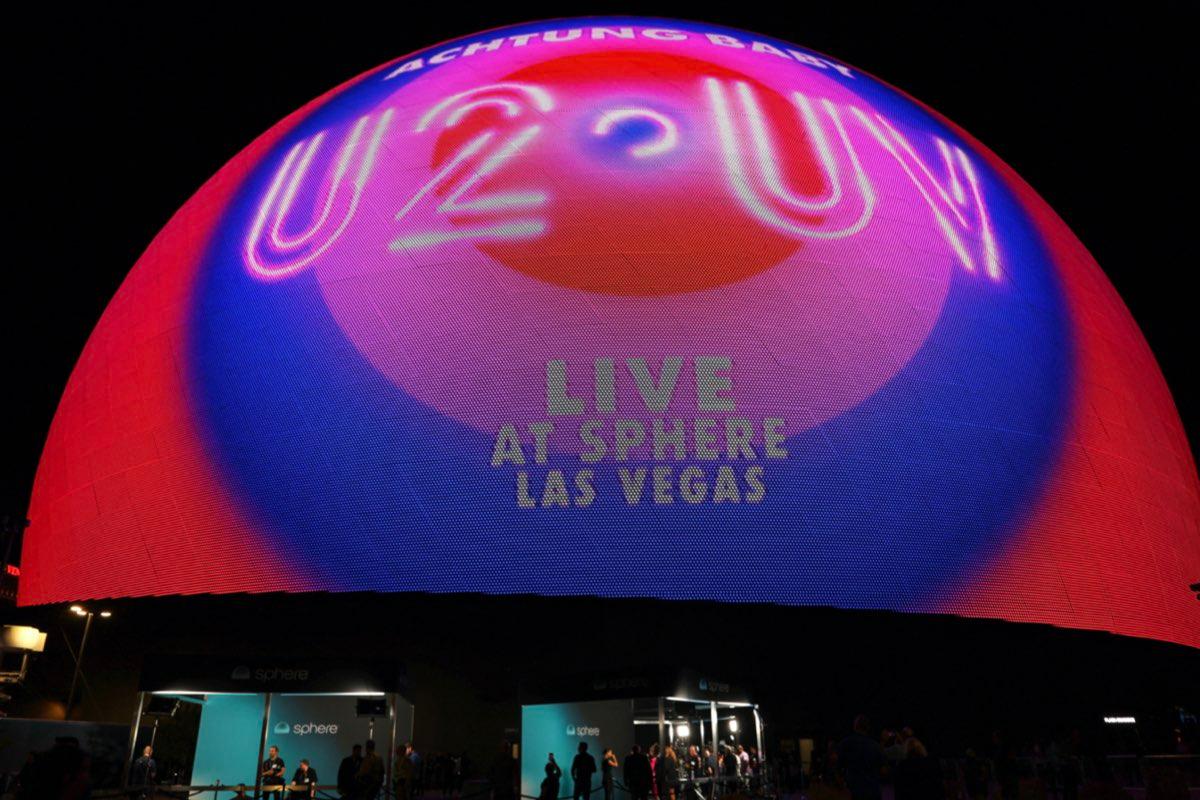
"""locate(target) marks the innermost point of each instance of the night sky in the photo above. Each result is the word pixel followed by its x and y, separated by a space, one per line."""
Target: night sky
pixel 119 116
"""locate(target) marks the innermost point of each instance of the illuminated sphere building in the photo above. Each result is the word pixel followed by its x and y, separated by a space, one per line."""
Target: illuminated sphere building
pixel 623 308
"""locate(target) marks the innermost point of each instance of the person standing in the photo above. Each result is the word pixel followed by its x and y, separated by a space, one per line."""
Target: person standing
pixel 370 773
pixel 728 769
pixel 975 776
pixel 918 776
pixel 145 770
pixel 607 764
pixel 711 769
pixel 272 774
pixel 416 782
pixel 304 781
pixel 668 774
pixel 461 764
pixel 693 770
pixel 449 774
pixel 637 774
pixel 552 780
pixel 861 760
pixel 403 772
pixel 347 777
pixel 691 763
pixel 893 750
pixel 582 770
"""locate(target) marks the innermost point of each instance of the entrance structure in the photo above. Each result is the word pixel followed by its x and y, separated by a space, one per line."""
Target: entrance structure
pixel 618 711
pixel 314 709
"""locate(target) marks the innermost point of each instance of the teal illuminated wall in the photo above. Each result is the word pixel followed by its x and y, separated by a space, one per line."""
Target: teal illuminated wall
pixel 558 728
pixel 227 744
pixel 321 728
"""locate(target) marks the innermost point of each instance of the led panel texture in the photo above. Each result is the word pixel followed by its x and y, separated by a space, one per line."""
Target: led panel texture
pixel 624 307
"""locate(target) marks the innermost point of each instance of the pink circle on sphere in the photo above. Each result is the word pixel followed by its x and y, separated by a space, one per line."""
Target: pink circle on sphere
pixel 468 335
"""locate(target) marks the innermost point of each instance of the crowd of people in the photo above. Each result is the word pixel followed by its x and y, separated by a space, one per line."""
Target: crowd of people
pixel 361 774
pixel 896 763
pixel 668 773
pixel 864 765
pixel 858 766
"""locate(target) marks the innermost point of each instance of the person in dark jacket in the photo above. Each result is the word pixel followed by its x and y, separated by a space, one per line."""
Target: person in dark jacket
pixel 918 777
pixel 305 777
pixel 728 769
pixel 637 774
pixel 975 777
pixel 552 780
pixel 861 759
pixel 370 773
pixel 145 770
pixel 582 770
pixel 711 771
pixel 348 773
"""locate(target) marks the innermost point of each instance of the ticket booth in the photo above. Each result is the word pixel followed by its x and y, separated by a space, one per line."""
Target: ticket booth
pixel 314 709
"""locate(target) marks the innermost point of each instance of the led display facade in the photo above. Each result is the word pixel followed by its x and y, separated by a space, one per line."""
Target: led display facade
pixel 597 307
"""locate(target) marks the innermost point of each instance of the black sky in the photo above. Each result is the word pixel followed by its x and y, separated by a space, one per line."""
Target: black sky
pixel 119 115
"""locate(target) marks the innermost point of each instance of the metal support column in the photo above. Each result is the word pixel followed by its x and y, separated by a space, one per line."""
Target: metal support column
pixel 262 744
pixel 133 735
pixel 758 736
pixel 391 739
pixel 662 724
pixel 717 786
pixel 87 628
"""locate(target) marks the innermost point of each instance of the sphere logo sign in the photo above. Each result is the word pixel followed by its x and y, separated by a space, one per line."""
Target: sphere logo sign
pixel 580 307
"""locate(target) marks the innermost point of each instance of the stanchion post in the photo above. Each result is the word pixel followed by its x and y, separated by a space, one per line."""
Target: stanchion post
pixel 262 743
pixel 133 734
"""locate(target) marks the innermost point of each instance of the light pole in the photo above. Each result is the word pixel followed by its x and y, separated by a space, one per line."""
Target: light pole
pixel 87 628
